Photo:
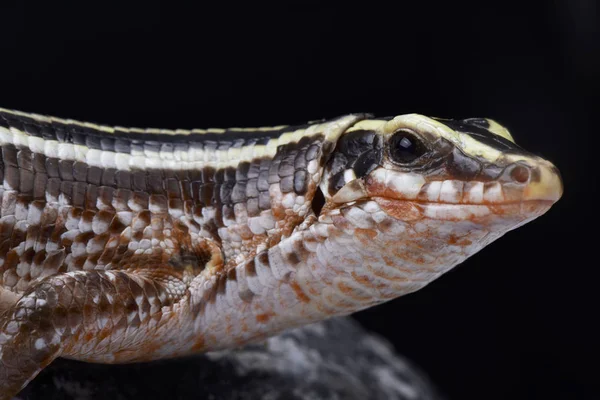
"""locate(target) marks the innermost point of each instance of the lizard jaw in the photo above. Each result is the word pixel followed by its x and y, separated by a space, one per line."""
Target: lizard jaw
pixel 514 189
pixel 407 210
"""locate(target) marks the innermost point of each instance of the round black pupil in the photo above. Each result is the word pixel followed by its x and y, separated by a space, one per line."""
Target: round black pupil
pixel 406 148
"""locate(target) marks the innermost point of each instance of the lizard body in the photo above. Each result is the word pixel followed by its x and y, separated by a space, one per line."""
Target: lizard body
pixel 124 244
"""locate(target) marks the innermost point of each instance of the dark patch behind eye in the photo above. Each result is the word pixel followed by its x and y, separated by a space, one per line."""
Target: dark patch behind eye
pixel 360 150
pixel 473 127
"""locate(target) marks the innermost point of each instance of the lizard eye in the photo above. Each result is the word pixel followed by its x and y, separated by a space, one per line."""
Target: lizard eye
pixel 405 147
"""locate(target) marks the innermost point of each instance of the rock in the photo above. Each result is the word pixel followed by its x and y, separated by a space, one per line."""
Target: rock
pixel 335 359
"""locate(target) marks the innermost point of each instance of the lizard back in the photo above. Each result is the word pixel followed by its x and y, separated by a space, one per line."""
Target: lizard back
pixel 81 196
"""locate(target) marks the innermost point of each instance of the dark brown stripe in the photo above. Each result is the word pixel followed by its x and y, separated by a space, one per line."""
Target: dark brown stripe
pixel 34 174
pixel 123 141
pixel 477 129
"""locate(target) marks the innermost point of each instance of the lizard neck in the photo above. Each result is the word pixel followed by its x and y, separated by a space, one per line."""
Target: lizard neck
pixel 350 259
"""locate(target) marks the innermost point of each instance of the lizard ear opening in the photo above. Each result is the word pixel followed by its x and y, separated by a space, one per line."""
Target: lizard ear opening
pixel 318 202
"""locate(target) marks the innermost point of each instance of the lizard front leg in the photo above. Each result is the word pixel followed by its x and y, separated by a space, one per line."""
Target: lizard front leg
pixel 111 316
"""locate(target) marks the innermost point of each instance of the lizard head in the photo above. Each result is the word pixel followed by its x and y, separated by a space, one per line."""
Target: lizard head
pixel 443 188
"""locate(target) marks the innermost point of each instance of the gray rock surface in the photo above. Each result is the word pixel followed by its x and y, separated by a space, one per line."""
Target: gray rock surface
pixel 335 359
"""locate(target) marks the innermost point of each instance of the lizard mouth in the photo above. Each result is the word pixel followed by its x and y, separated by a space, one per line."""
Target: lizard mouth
pixel 408 210
pixel 410 195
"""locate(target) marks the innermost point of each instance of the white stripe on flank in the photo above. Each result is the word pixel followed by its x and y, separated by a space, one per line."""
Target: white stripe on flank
pixel 144 157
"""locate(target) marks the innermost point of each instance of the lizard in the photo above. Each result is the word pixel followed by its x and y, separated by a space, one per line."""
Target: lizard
pixel 122 245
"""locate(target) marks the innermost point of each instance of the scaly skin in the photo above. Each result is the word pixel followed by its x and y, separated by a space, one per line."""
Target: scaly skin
pixel 131 245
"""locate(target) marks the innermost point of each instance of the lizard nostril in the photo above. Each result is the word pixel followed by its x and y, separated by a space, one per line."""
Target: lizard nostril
pixel 520 173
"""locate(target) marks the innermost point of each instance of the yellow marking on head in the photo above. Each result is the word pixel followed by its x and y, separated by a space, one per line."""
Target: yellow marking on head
pixel 499 130
pixel 466 143
pixel 368 125
pixel 334 129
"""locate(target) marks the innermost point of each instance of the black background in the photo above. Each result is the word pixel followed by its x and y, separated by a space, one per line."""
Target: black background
pixel 517 321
